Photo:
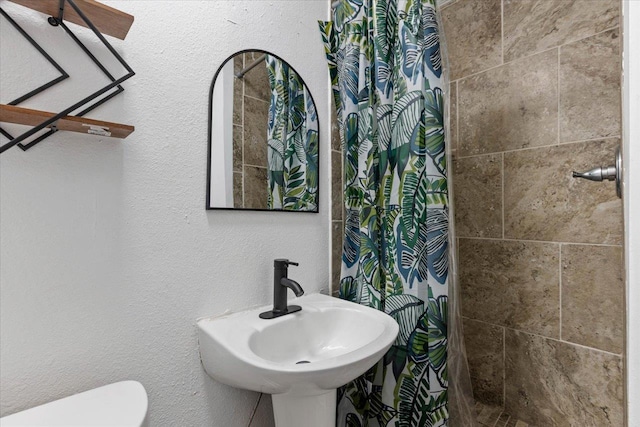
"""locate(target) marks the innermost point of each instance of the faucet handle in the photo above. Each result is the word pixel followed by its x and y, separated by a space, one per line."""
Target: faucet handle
pixel 282 262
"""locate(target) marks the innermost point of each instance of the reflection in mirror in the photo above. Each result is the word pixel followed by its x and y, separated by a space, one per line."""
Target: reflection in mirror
pixel 263 137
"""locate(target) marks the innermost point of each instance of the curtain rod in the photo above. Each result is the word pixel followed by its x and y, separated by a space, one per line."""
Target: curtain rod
pixel 240 74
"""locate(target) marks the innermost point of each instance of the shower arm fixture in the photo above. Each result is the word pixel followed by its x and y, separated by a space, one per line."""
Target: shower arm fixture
pixel 240 74
pixel 602 173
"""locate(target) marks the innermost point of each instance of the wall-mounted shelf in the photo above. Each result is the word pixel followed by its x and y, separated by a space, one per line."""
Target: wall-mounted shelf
pixel 100 19
pixel 107 20
pixel 29 117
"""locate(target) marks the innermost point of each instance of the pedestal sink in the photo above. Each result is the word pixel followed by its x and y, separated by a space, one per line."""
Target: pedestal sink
pixel 301 358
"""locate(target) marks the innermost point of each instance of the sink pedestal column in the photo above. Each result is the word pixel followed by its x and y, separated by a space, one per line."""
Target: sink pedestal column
pixel 295 410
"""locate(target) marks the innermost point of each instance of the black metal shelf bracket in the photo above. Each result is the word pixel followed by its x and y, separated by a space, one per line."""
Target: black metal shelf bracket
pixel 115 86
pixel 63 73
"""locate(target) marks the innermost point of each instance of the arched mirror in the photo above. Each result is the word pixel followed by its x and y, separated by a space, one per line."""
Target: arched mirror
pixel 263 137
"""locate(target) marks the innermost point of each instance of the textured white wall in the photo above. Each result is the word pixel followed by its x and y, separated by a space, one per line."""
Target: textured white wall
pixel 108 256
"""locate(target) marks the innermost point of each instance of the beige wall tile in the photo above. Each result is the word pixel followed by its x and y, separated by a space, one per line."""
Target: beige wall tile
pixel 443 3
pixel 513 107
pixel 250 57
pixel 237 148
pixel 488 415
pixel 510 107
pixel 452 140
pixel 238 92
pixel 256 82
pixel 473 34
pixel 337 204
pixel 255 188
pixel 237 102
pixel 543 202
pixel 593 296
pixel 256 115
pixel 502 420
pixel 337 231
pixel 478 196
pixel 238 199
pixel 335 130
pixel 336 186
pixel 551 383
pixel 535 25
pixel 513 284
pixel 590 73
pixel 459 417
pixel 484 344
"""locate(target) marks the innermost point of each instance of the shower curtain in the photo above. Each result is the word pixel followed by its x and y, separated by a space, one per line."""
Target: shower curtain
pixel 292 135
pixel 386 69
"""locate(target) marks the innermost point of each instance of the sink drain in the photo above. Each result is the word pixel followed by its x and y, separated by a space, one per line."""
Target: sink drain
pixel 302 361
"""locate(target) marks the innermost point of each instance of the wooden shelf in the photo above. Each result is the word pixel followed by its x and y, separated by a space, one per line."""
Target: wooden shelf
pixel 29 117
pixel 106 19
pixel 103 20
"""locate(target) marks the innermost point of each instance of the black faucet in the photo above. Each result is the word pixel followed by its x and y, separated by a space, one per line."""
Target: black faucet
pixel 280 284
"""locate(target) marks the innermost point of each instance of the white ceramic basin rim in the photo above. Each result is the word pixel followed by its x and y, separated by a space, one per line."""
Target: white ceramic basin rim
pixel 325 345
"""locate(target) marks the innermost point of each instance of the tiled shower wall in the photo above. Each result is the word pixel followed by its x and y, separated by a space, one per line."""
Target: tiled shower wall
pixel 535 88
pixel 251 99
pixel 337 207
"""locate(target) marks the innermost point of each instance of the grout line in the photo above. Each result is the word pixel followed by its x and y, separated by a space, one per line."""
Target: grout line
pixel 502 178
pixel 458 139
pixel 481 155
pixel 495 423
pixel 478 73
pixel 243 139
pixel 255 166
pixel 559 138
pixel 544 337
pixel 254 98
pixel 592 35
pixel 502 28
pixel 342 197
pixel 620 355
pixel 444 4
pixel 534 54
pixel 560 289
pixel 504 367
pixel 602 138
pixel 540 241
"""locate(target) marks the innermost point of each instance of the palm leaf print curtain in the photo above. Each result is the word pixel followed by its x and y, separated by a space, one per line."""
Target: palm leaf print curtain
pixel 292 135
pixel 385 65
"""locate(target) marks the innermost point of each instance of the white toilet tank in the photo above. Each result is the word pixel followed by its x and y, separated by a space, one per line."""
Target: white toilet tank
pixel 122 404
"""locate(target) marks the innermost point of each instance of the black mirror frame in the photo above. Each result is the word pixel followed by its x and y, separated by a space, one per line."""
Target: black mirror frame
pixel 209 137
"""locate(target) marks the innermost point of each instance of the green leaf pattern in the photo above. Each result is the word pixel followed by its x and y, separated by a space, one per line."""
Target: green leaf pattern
pixel 292 135
pixel 385 69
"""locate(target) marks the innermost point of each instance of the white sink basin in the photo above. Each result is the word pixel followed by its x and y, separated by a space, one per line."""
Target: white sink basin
pixel 309 353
